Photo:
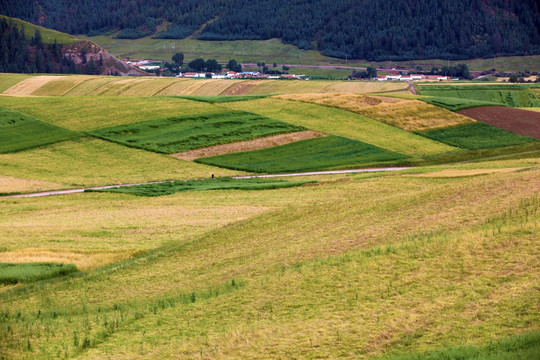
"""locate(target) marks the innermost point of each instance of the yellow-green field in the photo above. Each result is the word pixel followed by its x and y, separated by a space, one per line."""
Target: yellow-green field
pixel 383 265
pixel 147 86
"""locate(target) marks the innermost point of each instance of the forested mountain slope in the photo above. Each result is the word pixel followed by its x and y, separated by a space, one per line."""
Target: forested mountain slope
pixel 372 29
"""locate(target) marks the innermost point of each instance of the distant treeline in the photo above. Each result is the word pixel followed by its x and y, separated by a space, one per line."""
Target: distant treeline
pixel 370 29
pixel 21 55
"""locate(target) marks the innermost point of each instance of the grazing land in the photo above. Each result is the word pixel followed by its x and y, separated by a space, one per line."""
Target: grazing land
pixel 476 136
pixel 19 131
pixel 436 261
pixel 518 121
pixel 325 153
pixel 180 134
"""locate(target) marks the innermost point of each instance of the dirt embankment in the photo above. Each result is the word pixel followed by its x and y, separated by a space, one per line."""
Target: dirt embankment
pixel 521 122
pixel 90 51
pixel 256 144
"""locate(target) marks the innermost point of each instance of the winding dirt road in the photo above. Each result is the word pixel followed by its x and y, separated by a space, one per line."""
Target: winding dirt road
pixel 75 191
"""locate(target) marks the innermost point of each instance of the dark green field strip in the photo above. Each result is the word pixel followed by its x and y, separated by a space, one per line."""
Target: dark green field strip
pixel 173 187
pixel 29 272
pixel 455 104
pixel 476 136
pixel 19 131
pixel 222 98
pixel 509 95
pixel 331 152
pixel 184 133
pixel 519 347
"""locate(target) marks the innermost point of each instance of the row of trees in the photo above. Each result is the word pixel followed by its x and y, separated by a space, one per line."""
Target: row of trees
pixel 371 29
pixel 199 65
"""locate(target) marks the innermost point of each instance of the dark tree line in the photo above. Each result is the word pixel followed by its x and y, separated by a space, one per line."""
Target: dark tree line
pixel 370 29
pixel 21 55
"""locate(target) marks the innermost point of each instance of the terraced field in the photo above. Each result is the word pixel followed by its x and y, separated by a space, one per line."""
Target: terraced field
pixel 438 261
pixel 107 86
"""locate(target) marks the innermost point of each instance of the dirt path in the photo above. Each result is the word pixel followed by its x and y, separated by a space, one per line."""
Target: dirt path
pixel 411 87
pixel 75 191
pixel 256 144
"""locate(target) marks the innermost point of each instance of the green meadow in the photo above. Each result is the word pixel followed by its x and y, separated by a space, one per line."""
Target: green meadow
pixel 174 187
pixel 19 131
pixel 437 261
pixel 455 103
pixel 180 134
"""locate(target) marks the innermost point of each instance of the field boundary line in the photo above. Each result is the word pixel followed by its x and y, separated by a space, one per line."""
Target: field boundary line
pixel 81 190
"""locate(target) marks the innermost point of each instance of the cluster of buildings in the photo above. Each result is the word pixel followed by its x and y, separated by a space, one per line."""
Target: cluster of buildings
pixel 413 77
pixel 239 75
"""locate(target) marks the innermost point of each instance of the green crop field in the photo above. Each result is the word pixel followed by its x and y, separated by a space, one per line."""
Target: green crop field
pixel 325 153
pixel 476 136
pixel 19 131
pixel 455 104
pixel 174 187
pixel 437 261
pixel 184 133
pixel 344 123
pixel 24 273
pixel 509 95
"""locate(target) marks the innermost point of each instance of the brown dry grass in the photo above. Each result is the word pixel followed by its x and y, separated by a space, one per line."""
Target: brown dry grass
pixel 83 259
pixel 28 86
pixel 9 184
pixel 414 115
pixel 256 144
pixel 241 88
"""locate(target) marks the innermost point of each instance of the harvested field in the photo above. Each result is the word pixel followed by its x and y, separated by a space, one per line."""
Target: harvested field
pixel 241 146
pixel 10 184
pixel 522 122
pixel 241 88
pixel 28 86
pixel 410 115
pixel 60 85
pixel 83 259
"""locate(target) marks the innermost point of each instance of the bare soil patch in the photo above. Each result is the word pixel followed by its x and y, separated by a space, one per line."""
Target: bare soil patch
pixel 518 121
pixel 241 146
pixel 240 88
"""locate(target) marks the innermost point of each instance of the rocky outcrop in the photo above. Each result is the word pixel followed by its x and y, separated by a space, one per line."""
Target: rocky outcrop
pixel 84 52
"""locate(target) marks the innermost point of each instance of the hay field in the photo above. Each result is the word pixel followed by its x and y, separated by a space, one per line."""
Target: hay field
pixel 78 85
pixel 354 268
pixel 90 113
pixel 410 115
pixel 8 80
pixel 93 162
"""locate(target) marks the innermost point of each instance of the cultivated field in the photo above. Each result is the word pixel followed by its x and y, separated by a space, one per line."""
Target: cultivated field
pixel 436 261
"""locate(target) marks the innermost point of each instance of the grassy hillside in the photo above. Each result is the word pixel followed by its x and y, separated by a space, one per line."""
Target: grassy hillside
pixel 353 268
pixel 433 262
pixel 49 36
